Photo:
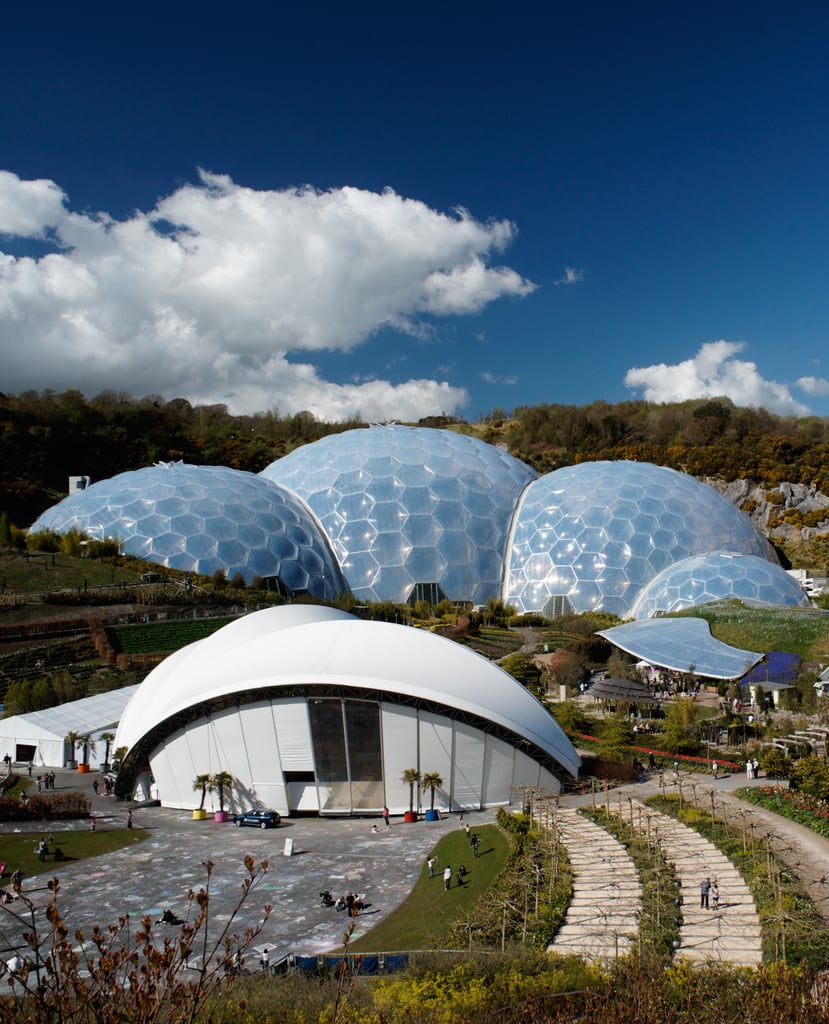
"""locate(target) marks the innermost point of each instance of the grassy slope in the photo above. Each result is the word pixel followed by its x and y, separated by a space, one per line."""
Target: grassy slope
pixel 44 572
pixel 424 919
pixel 801 631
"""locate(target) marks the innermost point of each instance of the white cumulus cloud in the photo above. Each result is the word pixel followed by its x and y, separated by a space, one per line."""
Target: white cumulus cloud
pixel 714 371
pixel 816 386
pixel 571 275
pixel 222 293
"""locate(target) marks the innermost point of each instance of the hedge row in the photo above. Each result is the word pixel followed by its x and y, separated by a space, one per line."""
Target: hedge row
pixel 44 807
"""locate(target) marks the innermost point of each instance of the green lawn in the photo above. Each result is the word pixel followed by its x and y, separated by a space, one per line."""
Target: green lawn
pixel 44 572
pixel 18 851
pixel 423 920
pixel 802 631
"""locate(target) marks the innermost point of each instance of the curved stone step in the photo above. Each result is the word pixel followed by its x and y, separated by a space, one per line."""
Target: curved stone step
pixel 602 920
pixel 731 933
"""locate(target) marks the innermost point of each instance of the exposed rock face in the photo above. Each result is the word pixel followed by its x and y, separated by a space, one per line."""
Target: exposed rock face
pixel 764 506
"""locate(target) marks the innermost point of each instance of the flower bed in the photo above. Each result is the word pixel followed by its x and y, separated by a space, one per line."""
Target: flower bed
pixel 806 810
pixel 682 758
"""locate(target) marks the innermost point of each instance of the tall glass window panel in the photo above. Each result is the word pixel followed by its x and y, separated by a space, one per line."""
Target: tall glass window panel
pixel 364 754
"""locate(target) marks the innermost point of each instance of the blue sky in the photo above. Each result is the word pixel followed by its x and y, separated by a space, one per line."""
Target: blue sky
pixel 398 212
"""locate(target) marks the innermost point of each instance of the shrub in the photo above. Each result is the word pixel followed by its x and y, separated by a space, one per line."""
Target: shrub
pixel 45 807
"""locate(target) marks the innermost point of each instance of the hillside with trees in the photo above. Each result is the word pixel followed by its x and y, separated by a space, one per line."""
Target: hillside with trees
pixel 782 463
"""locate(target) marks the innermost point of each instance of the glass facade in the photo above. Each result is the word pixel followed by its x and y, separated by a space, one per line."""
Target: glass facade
pixel 404 506
pixel 203 519
pixel 347 754
pixel 597 533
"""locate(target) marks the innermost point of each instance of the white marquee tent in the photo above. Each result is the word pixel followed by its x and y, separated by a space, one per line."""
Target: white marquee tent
pixel 40 736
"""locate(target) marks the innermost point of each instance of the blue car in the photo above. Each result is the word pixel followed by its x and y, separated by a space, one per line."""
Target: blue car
pixel 259 819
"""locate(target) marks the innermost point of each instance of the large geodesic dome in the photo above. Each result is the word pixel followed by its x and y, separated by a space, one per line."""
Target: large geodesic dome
pixel 410 510
pixel 722 575
pixel 203 519
pixel 590 537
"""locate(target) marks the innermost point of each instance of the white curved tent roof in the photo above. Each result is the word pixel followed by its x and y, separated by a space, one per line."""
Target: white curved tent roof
pixel 314 646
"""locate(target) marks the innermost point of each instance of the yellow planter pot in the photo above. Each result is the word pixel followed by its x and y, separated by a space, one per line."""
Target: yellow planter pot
pixel 199 815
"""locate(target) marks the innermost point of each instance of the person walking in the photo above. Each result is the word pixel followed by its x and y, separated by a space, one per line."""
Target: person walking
pixel 447 877
pixel 704 892
pixel 386 817
pixel 430 863
pixel 715 895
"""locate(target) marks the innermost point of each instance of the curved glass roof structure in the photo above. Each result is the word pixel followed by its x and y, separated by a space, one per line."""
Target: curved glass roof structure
pixel 597 533
pixel 410 505
pixel 202 519
pixel 718 576
pixel 682 644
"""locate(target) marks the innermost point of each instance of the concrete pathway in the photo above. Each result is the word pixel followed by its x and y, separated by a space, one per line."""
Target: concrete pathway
pixel 603 916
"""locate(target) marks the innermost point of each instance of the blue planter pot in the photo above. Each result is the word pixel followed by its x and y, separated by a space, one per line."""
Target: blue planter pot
pixel 432 816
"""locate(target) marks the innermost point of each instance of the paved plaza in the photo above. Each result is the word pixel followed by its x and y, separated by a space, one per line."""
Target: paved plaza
pixel 338 854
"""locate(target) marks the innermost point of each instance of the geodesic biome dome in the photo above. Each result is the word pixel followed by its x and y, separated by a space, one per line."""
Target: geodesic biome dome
pixel 721 575
pixel 410 507
pixel 590 537
pixel 203 519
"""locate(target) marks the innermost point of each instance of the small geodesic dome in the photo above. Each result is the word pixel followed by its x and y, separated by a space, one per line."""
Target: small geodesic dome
pixel 410 507
pixel 591 536
pixel 722 575
pixel 203 519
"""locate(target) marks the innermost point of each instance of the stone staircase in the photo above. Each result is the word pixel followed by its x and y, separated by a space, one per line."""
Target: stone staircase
pixel 603 916
pixel 602 920
pixel 731 933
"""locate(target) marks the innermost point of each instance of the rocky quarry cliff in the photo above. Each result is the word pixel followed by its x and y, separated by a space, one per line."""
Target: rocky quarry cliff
pixel 788 512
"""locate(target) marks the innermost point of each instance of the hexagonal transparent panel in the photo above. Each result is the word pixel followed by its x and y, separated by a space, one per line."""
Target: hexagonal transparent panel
pixel 202 519
pixel 427 486
pixel 719 576
pixel 616 525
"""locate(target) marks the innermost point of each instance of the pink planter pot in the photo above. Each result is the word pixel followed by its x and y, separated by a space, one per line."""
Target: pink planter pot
pixel 221 816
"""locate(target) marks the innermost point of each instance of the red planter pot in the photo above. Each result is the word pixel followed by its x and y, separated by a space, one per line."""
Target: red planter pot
pixel 410 816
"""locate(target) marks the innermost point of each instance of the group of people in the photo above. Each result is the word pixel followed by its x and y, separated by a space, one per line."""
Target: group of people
pixel 46 781
pixel 709 894
pixel 474 840
pixel 752 768
pixel 460 875
pixel 350 902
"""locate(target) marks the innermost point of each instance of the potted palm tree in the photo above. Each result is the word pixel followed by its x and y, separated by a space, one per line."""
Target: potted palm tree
pixel 411 776
pixel 200 784
pixel 221 783
pixel 107 737
pixel 432 781
pixel 89 746
pixel 72 740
